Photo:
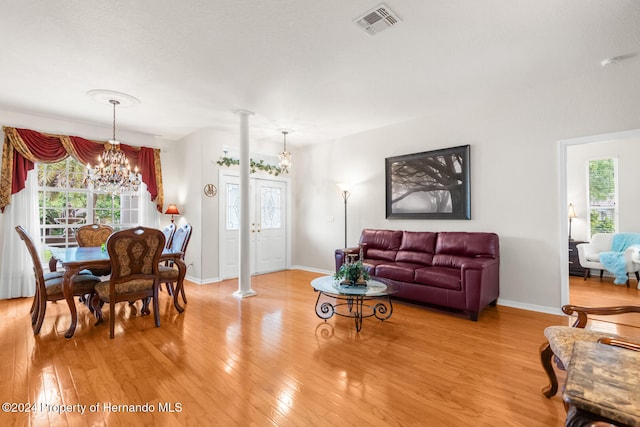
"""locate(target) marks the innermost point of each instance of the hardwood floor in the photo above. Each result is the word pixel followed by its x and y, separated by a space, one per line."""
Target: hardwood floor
pixel 603 293
pixel 269 360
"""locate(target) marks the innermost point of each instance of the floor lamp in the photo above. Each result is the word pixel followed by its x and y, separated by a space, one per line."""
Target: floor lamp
pixel 344 188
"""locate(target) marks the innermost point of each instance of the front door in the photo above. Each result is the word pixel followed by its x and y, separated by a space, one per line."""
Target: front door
pixel 268 225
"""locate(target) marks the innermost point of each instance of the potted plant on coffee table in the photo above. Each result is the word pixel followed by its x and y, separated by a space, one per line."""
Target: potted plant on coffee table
pixel 353 274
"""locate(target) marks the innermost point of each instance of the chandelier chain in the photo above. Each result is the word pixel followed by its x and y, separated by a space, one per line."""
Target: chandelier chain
pixel 114 102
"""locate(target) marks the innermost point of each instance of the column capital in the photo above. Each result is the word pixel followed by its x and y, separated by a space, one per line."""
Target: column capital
pixel 244 112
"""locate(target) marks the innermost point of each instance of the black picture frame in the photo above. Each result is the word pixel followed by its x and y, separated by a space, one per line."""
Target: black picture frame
pixel 429 185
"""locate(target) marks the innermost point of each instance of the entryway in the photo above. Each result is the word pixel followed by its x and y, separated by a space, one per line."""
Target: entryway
pixel 268 219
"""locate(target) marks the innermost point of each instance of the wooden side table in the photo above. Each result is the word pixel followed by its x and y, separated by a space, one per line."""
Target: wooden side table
pixel 575 269
pixel 603 384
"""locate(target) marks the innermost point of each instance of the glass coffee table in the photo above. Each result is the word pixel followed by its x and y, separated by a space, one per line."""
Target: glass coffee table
pixel 353 301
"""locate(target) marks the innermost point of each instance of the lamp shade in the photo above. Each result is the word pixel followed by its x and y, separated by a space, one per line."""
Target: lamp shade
pixel 172 210
pixel 343 186
pixel 572 211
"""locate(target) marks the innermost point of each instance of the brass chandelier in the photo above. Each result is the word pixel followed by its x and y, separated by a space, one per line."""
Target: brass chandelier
pixel 113 173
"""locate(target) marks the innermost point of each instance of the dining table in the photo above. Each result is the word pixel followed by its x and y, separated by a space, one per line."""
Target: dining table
pixel 75 259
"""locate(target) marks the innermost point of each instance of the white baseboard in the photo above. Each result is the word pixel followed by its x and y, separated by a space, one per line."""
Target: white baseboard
pixel 311 269
pixel 530 307
pixel 202 281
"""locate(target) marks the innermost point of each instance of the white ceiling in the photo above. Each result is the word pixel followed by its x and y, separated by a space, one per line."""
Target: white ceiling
pixel 298 64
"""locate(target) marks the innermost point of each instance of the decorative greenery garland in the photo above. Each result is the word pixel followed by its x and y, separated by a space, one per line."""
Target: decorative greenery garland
pixel 253 166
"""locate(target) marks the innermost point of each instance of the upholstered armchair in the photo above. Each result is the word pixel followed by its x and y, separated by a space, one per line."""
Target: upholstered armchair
pixel 589 255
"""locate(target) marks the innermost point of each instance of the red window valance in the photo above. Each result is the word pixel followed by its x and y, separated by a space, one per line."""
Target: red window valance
pixel 24 147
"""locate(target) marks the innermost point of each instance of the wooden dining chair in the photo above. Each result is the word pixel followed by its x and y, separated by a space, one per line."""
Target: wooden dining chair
pixel 49 285
pixel 135 256
pixel 169 272
pixel 94 235
pixel 560 340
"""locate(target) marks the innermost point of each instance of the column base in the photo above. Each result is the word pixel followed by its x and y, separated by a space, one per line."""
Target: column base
pixel 244 293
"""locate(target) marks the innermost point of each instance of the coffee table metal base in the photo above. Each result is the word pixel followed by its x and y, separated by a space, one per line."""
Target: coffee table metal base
pixel 356 306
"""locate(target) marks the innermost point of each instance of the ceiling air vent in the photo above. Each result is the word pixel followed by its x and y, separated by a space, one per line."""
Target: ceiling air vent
pixel 378 19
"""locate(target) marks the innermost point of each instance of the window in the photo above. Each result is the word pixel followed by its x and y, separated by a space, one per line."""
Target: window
pixel 64 204
pixel 603 195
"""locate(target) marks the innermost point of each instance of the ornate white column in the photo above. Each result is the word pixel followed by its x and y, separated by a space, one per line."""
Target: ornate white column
pixel 244 278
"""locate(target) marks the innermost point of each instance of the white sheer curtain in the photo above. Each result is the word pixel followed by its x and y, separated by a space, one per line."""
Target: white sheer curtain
pixel 16 274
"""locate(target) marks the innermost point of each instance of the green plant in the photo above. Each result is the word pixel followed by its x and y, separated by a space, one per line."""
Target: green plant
pixel 352 272
pixel 253 165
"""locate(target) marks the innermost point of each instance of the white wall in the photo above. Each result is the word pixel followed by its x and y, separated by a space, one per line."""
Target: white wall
pixel 628 154
pixel 515 182
pixel 188 166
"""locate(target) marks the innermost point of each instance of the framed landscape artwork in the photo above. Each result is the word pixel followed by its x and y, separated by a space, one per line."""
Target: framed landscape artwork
pixel 429 185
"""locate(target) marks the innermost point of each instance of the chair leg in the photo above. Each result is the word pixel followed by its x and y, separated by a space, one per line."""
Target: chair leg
pixel 601 273
pixel 112 319
pixel 41 311
pixel 145 307
pixel 184 298
pixel 35 299
pixel 546 354
pixel 637 276
pixel 169 286
pixel 35 308
pixel 97 309
pixel 587 273
pixel 156 308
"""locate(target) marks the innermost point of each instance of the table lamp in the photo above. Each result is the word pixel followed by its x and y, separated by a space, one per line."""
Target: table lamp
pixel 572 214
pixel 172 210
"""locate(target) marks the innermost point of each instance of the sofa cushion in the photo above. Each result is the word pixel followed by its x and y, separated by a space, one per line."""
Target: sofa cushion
pixel 417 247
pixel 371 264
pixel 381 244
pixel 472 245
pixel 452 261
pixel 400 271
pixel 440 277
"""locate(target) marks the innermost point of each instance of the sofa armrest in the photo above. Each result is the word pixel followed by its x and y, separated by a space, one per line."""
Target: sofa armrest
pixel 480 264
pixel 480 281
pixel 341 255
pixel 584 250
pixel 632 258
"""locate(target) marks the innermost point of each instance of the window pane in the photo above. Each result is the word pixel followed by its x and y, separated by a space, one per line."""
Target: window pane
pixel 602 195
pixel 65 203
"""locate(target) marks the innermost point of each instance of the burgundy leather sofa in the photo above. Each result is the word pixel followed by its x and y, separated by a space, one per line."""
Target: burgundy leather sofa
pixel 457 270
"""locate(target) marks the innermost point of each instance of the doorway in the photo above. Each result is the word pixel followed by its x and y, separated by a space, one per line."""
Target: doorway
pixel 621 144
pixel 269 219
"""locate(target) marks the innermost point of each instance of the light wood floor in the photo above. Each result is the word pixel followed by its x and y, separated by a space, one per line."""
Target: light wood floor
pixel 269 360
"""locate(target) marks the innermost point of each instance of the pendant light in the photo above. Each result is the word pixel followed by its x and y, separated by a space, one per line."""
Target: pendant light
pixel 285 156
